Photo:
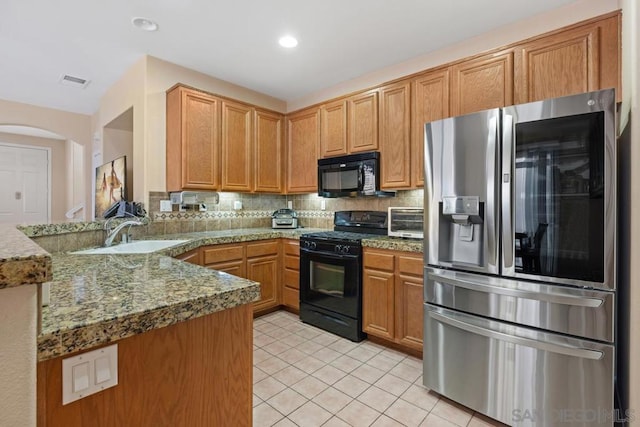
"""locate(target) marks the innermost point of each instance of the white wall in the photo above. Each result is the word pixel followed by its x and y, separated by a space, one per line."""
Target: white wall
pixel 629 231
pixel 18 330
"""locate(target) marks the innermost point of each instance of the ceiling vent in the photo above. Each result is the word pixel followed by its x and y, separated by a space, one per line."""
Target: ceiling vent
pixel 68 80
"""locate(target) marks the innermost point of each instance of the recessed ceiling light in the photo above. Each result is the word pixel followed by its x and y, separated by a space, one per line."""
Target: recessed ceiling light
pixel 144 24
pixel 288 41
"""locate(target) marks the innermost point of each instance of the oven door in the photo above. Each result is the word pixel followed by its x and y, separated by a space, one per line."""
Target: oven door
pixel 331 281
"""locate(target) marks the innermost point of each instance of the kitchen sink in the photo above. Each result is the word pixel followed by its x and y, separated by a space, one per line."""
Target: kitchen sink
pixel 137 247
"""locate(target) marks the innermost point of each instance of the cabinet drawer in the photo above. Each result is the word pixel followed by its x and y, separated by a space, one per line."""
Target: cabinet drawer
pixel 222 253
pixel 411 265
pixel 232 267
pixel 292 247
pixel 264 248
pixel 292 262
pixel 378 261
pixel 291 279
pixel 192 257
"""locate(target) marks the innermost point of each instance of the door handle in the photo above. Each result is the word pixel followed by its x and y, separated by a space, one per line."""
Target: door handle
pixel 18 195
pixel 552 297
pixel 528 342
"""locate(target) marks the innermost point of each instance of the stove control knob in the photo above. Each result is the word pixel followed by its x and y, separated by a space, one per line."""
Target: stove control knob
pixel 312 245
pixel 345 249
pixel 337 248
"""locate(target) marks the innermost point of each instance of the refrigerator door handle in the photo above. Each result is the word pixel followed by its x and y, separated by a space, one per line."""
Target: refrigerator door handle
pixel 552 297
pixel 492 192
pixel 528 342
pixel 508 177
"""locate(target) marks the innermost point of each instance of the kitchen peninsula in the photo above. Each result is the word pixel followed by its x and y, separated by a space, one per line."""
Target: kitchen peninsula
pixel 184 336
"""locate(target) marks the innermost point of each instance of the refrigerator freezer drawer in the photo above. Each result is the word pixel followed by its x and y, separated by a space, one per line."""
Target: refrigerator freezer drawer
pixel 518 375
pixel 584 313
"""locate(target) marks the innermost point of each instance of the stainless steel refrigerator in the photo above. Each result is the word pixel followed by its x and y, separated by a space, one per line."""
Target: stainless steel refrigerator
pixel 520 271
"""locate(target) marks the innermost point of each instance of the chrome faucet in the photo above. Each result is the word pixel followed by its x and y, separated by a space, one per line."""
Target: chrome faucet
pixel 111 234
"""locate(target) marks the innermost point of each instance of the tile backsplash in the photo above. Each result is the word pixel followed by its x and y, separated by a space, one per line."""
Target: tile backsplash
pixel 257 209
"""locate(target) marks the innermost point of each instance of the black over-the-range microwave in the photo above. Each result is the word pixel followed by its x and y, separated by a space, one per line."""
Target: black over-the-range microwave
pixel 351 176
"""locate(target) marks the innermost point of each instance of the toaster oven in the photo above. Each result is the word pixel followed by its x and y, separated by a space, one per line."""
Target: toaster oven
pixel 406 222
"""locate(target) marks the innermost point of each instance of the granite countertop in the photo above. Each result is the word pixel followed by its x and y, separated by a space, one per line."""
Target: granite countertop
pixel 22 262
pixel 96 299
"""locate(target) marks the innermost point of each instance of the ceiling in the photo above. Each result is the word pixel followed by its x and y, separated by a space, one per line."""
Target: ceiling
pixel 234 40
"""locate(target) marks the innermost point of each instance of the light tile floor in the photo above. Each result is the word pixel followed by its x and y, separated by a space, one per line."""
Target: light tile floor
pixel 304 376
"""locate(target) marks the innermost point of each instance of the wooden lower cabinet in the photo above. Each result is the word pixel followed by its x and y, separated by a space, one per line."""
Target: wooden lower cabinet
pixel 291 274
pixel 194 373
pixel 263 266
pixel 392 296
pixel 192 257
pixel 257 261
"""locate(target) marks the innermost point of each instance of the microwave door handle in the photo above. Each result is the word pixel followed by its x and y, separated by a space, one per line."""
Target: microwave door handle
pixel 360 177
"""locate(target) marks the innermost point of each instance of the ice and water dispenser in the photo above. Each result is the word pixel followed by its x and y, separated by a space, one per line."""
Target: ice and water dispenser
pixel 461 230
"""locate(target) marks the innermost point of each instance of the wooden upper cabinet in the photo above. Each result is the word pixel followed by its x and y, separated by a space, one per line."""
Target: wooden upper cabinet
pixel 395 135
pixel 268 151
pixel 363 122
pixel 429 102
pixel 192 140
pixel 236 146
pixel 573 61
pixel 303 139
pixel 482 83
pixel 333 133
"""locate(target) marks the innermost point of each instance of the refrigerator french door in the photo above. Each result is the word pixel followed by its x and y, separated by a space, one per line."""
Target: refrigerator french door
pixel 520 263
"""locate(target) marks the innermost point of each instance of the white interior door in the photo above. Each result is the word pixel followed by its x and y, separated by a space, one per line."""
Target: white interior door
pixel 24 185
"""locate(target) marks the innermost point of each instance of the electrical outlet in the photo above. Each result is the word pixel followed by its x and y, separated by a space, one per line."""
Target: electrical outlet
pixel 323 205
pixel 165 206
pixel 237 205
pixel 290 204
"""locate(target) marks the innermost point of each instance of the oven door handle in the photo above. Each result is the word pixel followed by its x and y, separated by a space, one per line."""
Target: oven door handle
pixel 328 254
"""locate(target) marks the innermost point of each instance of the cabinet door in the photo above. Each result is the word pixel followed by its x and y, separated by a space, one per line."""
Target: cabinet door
pixel 378 303
pixel 268 152
pixel 265 271
pixel 395 135
pixel 482 83
pixel 192 141
pixel 363 122
pixel 236 146
pixel 303 139
pixel 409 310
pixel 429 101
pixel 333 133
pixel 569 62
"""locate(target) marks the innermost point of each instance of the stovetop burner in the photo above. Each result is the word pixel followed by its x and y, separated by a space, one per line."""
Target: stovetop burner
pixel 343 236
pixel 353 226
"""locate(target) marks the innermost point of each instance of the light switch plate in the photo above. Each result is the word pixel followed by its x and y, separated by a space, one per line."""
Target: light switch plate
pixel 237 205
pixel 89 373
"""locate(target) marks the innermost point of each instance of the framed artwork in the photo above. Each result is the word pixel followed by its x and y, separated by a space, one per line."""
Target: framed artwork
pixel 110 184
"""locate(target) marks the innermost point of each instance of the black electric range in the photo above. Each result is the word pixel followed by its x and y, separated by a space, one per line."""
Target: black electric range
pixel 331 272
